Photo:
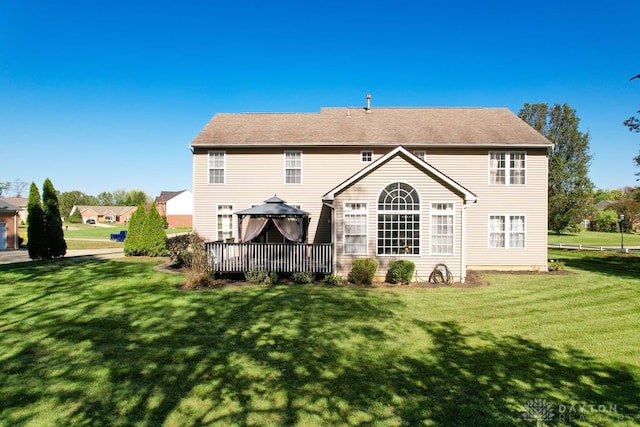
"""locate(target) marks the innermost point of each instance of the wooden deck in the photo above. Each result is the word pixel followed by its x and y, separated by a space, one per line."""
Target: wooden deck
pixel 271 257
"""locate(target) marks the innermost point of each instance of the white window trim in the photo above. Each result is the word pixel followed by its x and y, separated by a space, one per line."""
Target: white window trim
pixel 507 231
pixel 431 214
pixel 224 167
pixel 284 171
pixel 507 168
pixel 346 210
pixel 362 153
pixel 232 219
pixel 411 212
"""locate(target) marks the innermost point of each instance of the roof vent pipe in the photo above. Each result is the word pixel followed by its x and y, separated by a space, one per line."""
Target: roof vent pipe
pixel 368 102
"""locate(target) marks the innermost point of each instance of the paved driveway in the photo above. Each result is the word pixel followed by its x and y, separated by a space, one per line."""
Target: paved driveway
pixel 21 255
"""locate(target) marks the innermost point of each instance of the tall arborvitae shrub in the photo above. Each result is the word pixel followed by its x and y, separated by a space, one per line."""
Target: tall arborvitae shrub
pixel 35 225
pixel 54 236
pixel 133 241
pixel 154 238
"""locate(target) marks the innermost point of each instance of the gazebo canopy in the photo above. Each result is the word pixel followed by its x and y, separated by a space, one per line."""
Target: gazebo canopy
pixel 291 222
pixel 273 207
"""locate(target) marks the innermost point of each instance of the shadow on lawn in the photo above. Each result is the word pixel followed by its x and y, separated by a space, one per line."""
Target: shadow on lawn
pixel 607 263
pixel 275 355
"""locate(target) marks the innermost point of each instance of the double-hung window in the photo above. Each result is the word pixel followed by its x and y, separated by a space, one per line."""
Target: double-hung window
pixel 355 228
pixel 442 228
pixel 216 167
pixel 507 231
pixel 293 167
pixel 225 222
pixel 507 168
pixel 399 220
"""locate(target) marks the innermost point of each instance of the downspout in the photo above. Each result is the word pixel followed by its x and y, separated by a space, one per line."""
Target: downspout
pixel 16 238
pixel 334 251
pixel 463 246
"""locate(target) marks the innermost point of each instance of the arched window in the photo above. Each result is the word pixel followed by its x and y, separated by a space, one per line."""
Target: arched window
pixel 399 220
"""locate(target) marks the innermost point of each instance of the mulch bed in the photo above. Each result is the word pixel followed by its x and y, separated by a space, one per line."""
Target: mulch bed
pixel 474 279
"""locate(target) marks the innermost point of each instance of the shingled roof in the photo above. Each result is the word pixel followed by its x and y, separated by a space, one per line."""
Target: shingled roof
pixel 377 126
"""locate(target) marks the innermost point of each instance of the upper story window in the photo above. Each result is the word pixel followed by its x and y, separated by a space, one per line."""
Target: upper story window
pixel 399 220
pixel 421 154
pixel 355 228
pixel 293 167
pixel 366 156
pixel 507 168
pixel 216 167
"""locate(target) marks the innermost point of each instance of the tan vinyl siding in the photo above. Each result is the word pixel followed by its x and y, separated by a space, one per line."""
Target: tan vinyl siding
pixel 256 174
pixel 470 168
pixel 368 189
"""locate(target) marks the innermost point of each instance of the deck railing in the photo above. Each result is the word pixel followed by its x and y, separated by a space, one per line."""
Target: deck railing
pixel 276 257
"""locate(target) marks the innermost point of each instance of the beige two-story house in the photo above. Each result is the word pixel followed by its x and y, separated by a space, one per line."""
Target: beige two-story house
pixel 464 187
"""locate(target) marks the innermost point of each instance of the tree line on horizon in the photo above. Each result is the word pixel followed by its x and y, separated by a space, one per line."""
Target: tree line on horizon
pixel 68 199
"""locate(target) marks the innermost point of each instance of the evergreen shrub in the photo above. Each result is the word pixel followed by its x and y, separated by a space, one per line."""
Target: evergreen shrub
pixel 363 271
pixel 400 271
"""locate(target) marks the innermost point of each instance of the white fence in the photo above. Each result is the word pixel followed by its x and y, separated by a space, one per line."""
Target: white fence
pixel 272 257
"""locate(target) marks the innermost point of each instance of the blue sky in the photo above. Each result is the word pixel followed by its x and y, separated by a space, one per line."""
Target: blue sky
pixel 106 95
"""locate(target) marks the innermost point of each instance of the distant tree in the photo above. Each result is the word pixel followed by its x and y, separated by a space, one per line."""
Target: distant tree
pixel 569 183
pixel 120 198
pixel 630 209
pixel 633 124
pixel 133 243
pixel 56 245
pixel 5 187
pixel 69 199
pixel 36 238
pixel 136 197
pixel 106 199
pixel 606 220
pixel 154 237
pixel 600 195
pixel 19 186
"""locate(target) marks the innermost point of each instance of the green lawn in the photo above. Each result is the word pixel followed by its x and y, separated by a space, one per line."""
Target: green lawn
pixel 88 342
pixel 85 236
pixel 594 238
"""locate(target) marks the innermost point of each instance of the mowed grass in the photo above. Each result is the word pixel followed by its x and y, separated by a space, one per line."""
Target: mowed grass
pixel 86 236
pixel 88 342
pixel 594 238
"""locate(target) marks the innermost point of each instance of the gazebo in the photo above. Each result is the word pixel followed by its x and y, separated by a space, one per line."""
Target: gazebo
pixel 291 222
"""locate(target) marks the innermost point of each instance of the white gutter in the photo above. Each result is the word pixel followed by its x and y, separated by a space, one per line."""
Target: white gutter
pixel 334 236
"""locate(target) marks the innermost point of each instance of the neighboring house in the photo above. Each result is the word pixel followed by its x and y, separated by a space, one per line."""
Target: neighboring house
pixel 9 222
pixel 118 214
pixel 176 207
pixel 466 187
pixel 21 203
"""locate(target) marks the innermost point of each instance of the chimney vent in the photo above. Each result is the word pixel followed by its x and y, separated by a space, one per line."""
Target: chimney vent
pixel 368 103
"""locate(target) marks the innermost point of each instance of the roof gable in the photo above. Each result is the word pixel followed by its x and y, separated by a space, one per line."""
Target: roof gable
pixel 104 210
pixel 165 196
pixel 378 126
pixel 467 195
